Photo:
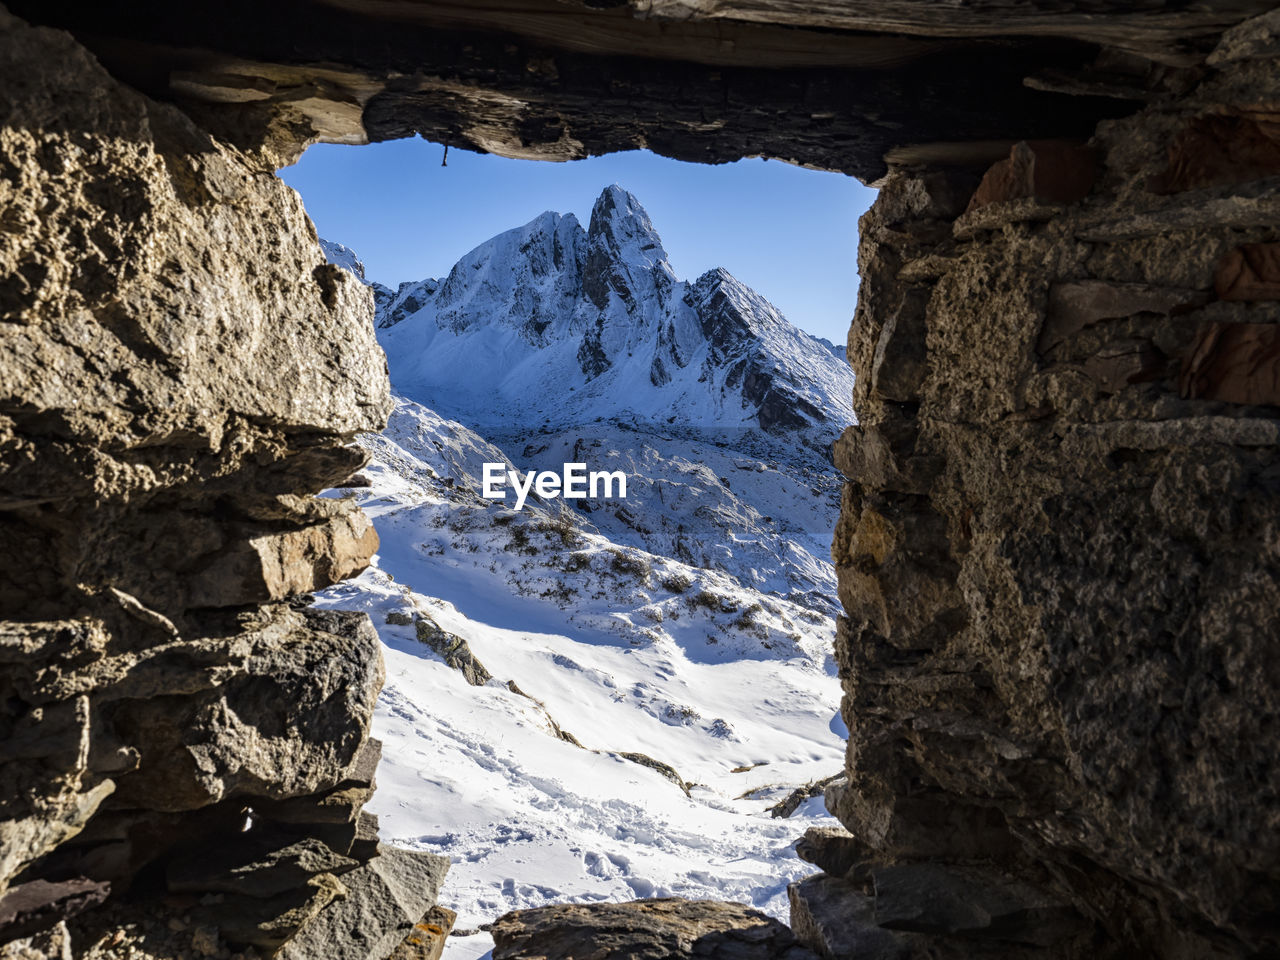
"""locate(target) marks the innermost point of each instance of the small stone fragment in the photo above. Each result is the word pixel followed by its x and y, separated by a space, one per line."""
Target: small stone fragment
pixel 204 941
pixel 1234 362
pixel 1216 150
pixel 1249 272
pixel 427 938
pixel 833 850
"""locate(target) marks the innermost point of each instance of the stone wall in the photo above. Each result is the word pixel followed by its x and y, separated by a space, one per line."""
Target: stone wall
pixel 180 372
pixel 1059 546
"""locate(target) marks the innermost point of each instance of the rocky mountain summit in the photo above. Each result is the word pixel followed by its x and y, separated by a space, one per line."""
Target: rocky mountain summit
pixel 569 326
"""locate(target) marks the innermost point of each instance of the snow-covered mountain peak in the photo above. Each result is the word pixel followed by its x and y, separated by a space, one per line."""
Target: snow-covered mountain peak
pixel 343 256
pixel 527 278
pixel 625 276
pixel 551 324
pixel 621 226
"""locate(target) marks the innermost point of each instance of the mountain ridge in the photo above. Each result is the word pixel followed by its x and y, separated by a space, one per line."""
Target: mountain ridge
pixel 568 325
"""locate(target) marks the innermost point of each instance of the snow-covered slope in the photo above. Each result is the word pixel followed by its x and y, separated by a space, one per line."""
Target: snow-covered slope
pixel 602 655
pixel 552 323
pixel 710 502
pixel 659 668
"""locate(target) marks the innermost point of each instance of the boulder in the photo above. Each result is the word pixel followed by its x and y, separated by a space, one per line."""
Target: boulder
pixel 658 929
pixel 836 920
pixel 833 850
pixel 385 900
pixel 455 651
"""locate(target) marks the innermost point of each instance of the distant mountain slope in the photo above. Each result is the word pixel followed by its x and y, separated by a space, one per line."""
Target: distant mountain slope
pixel 550 323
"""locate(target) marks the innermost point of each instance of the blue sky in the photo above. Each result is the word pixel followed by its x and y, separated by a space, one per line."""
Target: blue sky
pixel 789 233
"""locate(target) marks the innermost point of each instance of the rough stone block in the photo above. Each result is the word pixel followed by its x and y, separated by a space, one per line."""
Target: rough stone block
pixel 1255 38
pixel 885 457
pixel 1051 171
pixel 660 929
pixel 1235 363
pixel 899 365
pixel 1216 150
pixel 836 920
pixel 262 864
pixel 275 565
pixel 385 899
pixel 1123 362
pixel 267 922
pixel 1079 304
pixel 1249 272
pixel 833 850
pixel 288 721
pixel 948 899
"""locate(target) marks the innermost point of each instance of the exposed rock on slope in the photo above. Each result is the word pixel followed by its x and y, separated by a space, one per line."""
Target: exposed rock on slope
pixel 172 393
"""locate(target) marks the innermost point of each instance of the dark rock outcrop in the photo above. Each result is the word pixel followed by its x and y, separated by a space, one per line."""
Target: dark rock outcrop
pixel 454 650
